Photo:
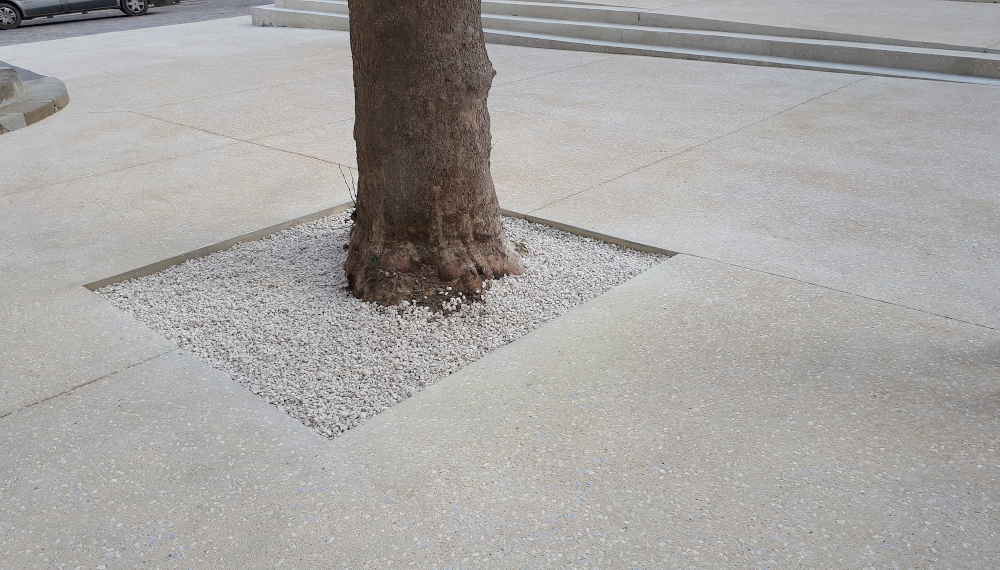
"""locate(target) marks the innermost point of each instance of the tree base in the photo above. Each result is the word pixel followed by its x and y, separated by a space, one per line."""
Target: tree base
pixel 421 288
pixel 427 221
pixel 385 283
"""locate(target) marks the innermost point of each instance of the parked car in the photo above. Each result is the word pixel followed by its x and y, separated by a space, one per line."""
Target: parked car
pixel 12 12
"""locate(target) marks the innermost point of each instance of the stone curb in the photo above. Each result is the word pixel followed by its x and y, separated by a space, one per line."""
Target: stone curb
pixel 30 101
pixel 158 266
pixel 10 84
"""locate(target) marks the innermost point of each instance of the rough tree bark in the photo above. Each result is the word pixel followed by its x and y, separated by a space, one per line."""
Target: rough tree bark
pixel 427 215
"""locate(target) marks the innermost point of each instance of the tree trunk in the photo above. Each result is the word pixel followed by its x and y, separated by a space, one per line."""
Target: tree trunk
pixel 427 214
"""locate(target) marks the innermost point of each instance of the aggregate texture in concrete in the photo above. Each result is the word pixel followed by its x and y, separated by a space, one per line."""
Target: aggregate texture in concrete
pixel 814 381
pixel 699 413
pixel 834 193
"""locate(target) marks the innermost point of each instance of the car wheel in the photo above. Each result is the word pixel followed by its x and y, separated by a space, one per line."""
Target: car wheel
pixel 134 7
pixel 10 18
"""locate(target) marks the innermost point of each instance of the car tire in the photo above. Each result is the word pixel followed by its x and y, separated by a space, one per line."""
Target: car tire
pixel 10 16
pixel 134 7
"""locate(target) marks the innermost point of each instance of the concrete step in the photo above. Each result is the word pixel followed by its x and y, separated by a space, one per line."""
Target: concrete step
pixel 949 62
pixel 291 18
pixel 328 6
pixel 625 30
pixel 562 42
pixel 35 100
pixel 586 12
pixel 10 84
pixel 583 12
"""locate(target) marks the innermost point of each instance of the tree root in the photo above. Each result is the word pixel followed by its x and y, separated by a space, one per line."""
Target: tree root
pixel 423 284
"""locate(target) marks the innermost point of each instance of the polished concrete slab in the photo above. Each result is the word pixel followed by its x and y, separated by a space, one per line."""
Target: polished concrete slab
pixel 94 143
pixel 59 335
pixel 54 341
pixel 268 110
pixel 885 188
pixel 814 384
pixel 332 142
pixel 80 231
pixel 699 413
pixel 568 131
pixel 173 64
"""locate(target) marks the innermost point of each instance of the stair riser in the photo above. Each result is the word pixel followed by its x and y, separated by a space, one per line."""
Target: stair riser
pixel 851 55
pixel 987 68
pixel 272 16
pixel 563 12
pixel 568 44
pixel 36 99
pixel 269 16
pixel 635 17
pixel 622 50
pixel 629 16
pixel 869 56
pixel 313 6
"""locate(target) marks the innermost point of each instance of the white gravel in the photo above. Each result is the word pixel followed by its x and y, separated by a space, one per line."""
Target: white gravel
pixel 276 316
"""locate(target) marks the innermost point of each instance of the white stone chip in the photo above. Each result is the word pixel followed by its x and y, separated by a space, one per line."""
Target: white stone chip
pixel 276 316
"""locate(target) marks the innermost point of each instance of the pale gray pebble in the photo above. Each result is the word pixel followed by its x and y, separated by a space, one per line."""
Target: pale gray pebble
pixel 276 316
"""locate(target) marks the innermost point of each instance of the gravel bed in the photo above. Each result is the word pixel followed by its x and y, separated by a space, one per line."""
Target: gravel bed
pixel 276 316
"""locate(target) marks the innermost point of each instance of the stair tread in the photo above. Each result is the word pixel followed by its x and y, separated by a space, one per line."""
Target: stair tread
pixel 577 9
pixel 779 39
pixel 722 55
pixel 785 61
pixel 713 33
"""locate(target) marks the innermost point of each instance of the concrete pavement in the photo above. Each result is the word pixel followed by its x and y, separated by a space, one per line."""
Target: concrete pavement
pixel 812 383
pixel 105 21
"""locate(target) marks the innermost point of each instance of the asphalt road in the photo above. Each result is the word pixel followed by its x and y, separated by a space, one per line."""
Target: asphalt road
pixel 57 27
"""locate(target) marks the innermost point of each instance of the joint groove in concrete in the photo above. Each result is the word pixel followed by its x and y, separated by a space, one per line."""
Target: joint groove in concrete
pixel 87 383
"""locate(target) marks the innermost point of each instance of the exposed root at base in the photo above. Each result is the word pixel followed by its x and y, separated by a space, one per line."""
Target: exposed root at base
pixel 422 288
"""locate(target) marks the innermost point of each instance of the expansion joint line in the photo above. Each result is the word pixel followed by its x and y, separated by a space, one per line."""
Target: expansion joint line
pixel 553 72
pixel 251 141
pixel 851 293
pixel 87 383
pixel 113 170
pixel 701 144
pixel 334 163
